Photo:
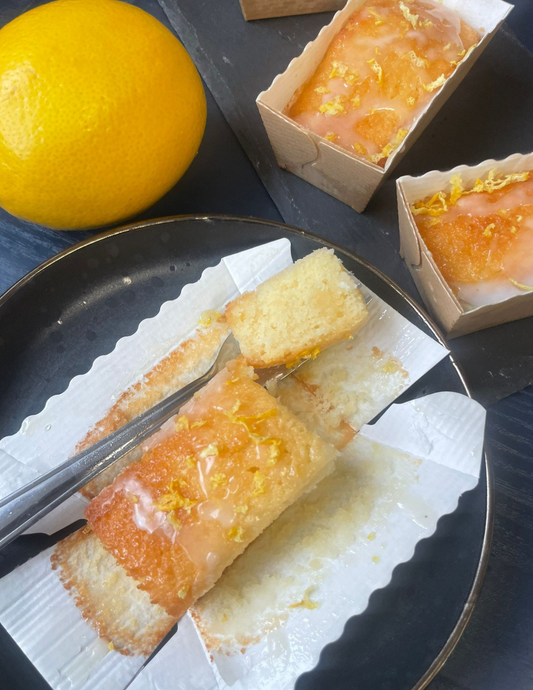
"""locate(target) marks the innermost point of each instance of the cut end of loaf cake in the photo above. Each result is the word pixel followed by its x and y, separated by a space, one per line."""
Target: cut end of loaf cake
pixel 297 313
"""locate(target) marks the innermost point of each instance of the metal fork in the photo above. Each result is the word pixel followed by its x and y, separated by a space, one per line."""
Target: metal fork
pixel 23 508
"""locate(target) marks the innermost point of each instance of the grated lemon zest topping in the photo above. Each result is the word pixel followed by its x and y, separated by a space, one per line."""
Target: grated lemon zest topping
pixel 191 461
pixel 356 101
pixel 417 61
pixel 438 203
pixel 376 68
pixel 411 18
pixel 236 534
pixel 411 101
pixel 208 317
pixel 351 77
pixel 241 509
pixel 174 521
pixel 218 479
pixel 513 229
pixel 198 424
pixel 434 207
pixel 435 84
pixel 182 593
pixel 360 149
pixel 258 483
pixel 211 449
pixel 520 285
pixel 379 19
pixel 182 423
pixel 519 219
pixel 447 46
pixel 173 499
pixel 391 146
pixel 306 602
pixel 322 89
pixel 111 646
pixel 339 69
pixel 333 107
pixel 488 230
pixel 331 136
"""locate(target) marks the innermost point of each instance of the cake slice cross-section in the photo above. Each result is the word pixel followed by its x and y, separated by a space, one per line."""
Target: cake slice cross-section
pixel 298 312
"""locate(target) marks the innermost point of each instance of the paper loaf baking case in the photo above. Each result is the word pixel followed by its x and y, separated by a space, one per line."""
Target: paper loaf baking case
pixel 435 291
pixel 328 166
pixel 263 9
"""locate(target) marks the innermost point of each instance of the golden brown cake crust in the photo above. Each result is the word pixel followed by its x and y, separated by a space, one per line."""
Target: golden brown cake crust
pixel 82 564
pixel 189 360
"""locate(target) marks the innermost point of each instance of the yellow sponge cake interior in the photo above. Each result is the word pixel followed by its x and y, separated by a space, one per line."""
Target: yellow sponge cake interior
pixel 298 312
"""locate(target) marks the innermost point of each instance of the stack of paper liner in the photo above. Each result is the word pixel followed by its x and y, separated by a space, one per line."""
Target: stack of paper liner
pixel 316 566
pixel 332 168
pixel 435 291
pixel 263 9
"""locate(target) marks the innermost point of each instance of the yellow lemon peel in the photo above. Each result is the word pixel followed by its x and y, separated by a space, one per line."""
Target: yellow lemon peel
pixel 409 16
pixel 182 593
pixel 199 423
pixel 242 509
pixel 391 146
pixel 218 479
pixel 322 89
pixel 306 602
pixel 333 107
pixel 417 61
pixel 174 521
pixel 182 423
pixel 373 13
pixel 360 149
pixel 339 69
pixel 236 534
pixel 376 68
pixel 434 207
pixel 208 317
pixel 439 81
pixel 488 230
pixel 211 449
pixel 258 483
pixel 529 288
pixel 173 499
pixel 331 136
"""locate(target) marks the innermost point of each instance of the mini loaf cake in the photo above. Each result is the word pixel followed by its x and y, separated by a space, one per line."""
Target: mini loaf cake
pixel 481 238
pixel 379 74
pixel 298 312
pixel 209 482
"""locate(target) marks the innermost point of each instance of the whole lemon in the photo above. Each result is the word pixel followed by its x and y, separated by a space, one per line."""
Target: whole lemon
pixel 101 112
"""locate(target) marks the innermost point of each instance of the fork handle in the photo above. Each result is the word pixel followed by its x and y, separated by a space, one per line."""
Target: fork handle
pixel 23 508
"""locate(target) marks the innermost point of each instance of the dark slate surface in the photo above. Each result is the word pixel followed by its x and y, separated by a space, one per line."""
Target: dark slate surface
pixel 489 116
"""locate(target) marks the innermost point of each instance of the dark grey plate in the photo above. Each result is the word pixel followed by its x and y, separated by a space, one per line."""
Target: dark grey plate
pixel 73 308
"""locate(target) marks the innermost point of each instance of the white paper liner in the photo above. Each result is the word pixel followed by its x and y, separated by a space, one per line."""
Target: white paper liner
pixel 442 449
pixel 47 438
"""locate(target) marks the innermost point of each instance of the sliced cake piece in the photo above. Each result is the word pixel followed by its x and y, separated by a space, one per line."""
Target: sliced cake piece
pixel 297 313
pixel 210 481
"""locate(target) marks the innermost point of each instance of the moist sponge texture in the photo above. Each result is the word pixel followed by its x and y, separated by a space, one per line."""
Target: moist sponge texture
pixel 303 309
